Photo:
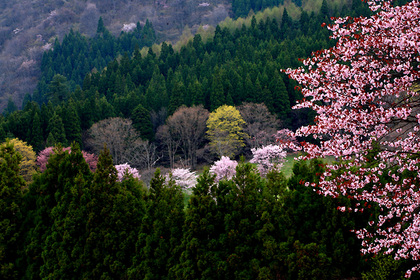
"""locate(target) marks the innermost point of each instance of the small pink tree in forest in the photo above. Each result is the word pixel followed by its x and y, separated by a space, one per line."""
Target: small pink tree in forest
pixel 225 168
pixel 268 158
pixel 124 170
pixel 184 178
pixel 44 155
pixel 365 91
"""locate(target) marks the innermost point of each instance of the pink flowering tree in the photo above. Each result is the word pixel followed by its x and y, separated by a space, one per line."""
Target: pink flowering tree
pixel 44 155
pixel 270 157
pixel 365 91
pixel 184 177
pixel 285 137
pixel 225 168
pixel 124 170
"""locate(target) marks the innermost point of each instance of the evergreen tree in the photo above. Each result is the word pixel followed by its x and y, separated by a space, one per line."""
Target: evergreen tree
pixel 56 131
pixel 11 215
pixel 37 139
pixel 101 26
pixel 157 247
pixel 201 231
pixel 58 89
pixel 142 122
pixel 71 123
pixel 64 241
pixel 114 213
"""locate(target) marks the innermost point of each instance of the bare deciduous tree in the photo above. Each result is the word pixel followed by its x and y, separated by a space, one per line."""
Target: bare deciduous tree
pixel 189 126
pixel 171 143
pixel 261 125
pixel 123 142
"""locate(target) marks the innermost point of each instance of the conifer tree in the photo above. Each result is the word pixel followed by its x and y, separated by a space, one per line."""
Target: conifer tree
pixel 56 131
pixel 63 245
pixel 114 212
pixel 142 122
pixel 157 247
pixel 71 123
pixel 37 139
pixel 201 231
pixel 11 185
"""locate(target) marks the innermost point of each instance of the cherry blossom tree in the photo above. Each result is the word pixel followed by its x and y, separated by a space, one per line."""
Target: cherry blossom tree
pixel 123 170
pixel 44 155
pixel 365 93
pixel 268 158
pixel 225 168
pixel 184 177
pixel 285 137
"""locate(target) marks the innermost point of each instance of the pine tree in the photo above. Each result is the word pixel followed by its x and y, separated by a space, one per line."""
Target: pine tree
pixel 71 123
pixel 202 229
pixel 56 131
pixel 63 244
pixel 160 234
pixel 142 122
pixel 114 213
pixel 11 185
pixel 37 140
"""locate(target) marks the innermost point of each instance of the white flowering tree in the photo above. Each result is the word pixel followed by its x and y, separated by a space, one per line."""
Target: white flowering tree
pixel 184 177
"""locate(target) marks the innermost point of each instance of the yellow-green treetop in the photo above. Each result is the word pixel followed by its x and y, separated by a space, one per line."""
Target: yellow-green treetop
pixel 225 131
pixel 27 164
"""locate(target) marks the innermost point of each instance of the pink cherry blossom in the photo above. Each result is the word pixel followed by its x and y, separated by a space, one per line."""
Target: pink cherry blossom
pixel 365 93
pixel 125 169
pixel 268 158
pixel 225 168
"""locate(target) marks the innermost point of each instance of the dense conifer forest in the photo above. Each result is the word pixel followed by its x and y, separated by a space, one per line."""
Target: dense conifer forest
pixel 79 209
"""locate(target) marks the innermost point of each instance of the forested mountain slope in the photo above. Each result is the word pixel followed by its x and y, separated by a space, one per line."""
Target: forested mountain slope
pixel 28 28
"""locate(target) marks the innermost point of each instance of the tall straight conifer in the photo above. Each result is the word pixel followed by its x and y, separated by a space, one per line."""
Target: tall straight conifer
pixel 11 184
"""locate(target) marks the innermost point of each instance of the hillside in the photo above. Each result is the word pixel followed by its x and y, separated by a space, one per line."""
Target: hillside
pixel 28 28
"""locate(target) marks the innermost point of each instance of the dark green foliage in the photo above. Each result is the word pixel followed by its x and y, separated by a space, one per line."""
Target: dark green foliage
pixel 10 108
pixel 58 90
pixel 37 139
pixel 319 242
pixel 80 225
pixel 157 247
pixel 54 217
pixel 114 212
pixel 232 228
pixel 71 123
pixel 142 122
pixel 11 214
pixel 56 132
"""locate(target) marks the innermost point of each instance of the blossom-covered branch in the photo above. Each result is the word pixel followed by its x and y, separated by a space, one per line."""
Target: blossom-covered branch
pixel 365 93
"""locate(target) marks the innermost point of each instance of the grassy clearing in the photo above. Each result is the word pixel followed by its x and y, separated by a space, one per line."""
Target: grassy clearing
pixel 287 168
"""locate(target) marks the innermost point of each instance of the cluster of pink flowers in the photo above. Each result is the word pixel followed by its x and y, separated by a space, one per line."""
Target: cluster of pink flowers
pixel 365 93
pixel 225 168
pixel 125 169
pixel 268 158
pixel 44 155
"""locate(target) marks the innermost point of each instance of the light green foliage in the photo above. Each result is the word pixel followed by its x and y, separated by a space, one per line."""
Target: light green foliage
pixel 225 131
pixel 384 267
pixel 27 165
